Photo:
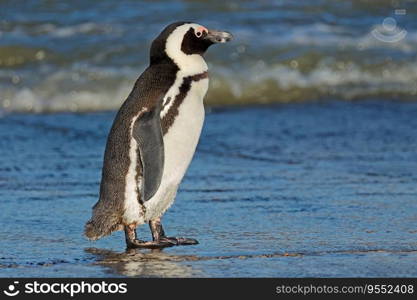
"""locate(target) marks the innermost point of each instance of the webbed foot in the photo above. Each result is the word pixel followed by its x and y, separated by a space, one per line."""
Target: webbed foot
pixel 133 242
pixel 158 234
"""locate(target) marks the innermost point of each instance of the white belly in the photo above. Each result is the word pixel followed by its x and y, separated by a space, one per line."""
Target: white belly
pixel 180 143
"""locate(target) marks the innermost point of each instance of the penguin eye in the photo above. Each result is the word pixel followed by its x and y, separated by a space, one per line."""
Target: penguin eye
pixel 200 31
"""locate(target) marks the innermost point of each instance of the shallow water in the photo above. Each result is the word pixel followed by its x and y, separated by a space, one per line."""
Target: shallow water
pixel 86 55
pixel 318 189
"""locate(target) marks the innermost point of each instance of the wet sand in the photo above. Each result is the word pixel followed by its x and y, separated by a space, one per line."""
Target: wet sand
pixel 313 189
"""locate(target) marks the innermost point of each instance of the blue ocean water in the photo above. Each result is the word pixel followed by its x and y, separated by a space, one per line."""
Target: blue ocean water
pixel 85 55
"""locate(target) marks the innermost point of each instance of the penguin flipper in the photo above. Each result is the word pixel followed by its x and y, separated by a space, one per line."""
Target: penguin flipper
pixel 147 132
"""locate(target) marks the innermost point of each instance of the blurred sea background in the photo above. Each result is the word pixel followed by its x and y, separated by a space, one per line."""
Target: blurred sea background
pixel 315 178
pixel 85 55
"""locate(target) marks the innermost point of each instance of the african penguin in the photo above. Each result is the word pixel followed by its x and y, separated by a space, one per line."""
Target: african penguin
pixel 154 137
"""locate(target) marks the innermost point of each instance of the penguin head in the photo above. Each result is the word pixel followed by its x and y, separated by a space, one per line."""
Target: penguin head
pixel 183 42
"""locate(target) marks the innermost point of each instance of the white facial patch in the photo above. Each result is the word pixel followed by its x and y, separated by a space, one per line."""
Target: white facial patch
pixel 189 64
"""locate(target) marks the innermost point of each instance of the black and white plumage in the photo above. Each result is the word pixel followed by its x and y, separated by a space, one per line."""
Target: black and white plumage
pixel 154 136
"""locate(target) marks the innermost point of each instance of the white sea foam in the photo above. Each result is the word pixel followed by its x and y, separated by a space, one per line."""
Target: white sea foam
pixel 71 91
pixel 107 89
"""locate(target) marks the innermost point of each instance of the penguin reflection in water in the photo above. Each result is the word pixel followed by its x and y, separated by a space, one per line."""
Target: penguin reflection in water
pixel 154 136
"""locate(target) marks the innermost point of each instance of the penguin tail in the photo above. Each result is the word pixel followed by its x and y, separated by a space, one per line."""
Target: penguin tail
pixel 95 230
pixel 91 231
pixel 102 223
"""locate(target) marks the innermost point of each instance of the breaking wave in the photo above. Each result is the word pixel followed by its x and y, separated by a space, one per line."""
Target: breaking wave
pixel 105 90
pixel 88 59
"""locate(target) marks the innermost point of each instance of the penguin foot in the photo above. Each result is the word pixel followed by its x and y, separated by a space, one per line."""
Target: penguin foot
pixel 158 235
pixel 179 241
pixel 149 245
pixel 133 242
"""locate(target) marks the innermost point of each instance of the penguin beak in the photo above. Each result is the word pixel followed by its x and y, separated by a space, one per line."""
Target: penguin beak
pixel 215 36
